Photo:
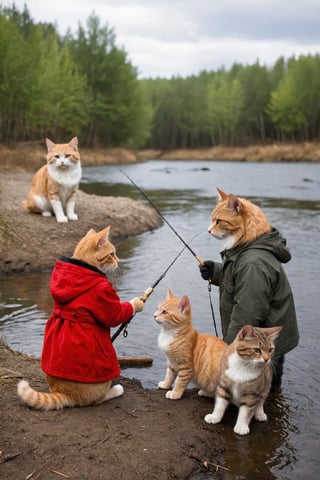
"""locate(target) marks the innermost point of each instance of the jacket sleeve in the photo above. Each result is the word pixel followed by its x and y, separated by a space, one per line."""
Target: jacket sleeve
pixel 253 290
pixel 108 308
pixel 216 273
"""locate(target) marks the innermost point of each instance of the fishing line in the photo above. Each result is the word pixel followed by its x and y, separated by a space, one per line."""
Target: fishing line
pixel 180 238
pixel 163 217
pixel 146 294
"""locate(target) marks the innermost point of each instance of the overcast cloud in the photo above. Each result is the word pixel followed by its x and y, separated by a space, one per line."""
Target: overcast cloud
pixel 164 38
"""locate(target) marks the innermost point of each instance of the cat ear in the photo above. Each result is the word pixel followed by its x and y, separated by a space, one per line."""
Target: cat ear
pixel 246 332
pixel 170 295
pixel 74 144
pixel 90 232
pixel 234 203
pixel 50 144
pixel 222 195
pixel 184 304
pixel 103 237
pixel 273 332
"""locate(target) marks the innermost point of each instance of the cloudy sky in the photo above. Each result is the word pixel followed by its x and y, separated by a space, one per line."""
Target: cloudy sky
pixel 164 38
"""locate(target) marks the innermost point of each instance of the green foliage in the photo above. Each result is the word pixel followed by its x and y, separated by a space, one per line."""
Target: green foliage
pixel 58 87
pixel 85 85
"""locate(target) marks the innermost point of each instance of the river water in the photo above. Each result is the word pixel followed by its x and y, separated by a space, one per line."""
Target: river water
pixel 286 447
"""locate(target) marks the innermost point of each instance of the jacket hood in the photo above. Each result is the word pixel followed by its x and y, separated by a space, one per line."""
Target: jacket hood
pixel 272 242
pixel 71 278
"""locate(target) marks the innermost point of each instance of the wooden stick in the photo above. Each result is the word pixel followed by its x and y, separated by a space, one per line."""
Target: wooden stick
pixel 135 362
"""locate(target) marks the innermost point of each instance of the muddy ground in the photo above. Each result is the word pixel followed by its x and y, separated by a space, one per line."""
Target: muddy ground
pixel 139 436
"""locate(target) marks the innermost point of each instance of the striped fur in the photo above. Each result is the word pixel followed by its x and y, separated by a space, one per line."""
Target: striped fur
pixel 245 377
pixel 66 393
pixel 191 356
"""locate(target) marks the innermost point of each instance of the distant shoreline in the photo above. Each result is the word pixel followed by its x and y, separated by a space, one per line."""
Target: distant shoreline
pixel 32 155
pixel 302 152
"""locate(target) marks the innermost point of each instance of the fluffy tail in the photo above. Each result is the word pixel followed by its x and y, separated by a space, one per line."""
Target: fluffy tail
pixel 40 400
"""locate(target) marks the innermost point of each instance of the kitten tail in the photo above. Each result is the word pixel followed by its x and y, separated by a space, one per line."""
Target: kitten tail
pixel 40 400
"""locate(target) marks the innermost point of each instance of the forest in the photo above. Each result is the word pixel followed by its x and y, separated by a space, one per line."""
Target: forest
pixel 84 84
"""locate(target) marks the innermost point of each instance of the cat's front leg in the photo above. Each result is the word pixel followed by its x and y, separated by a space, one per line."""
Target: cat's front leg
pixel 169 378
pixel 244 417
pixel 70 210
pixel 58 211
pixel 260 414
pixel 180 385
pixel 220 407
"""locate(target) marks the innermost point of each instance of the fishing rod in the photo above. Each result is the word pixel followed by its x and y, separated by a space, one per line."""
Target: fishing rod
pixel 180 238
pixel 163 218
pixel 144 297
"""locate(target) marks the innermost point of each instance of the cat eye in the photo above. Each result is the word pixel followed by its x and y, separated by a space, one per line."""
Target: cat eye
pixel 257 350
pixel 218 221
pixel 112 254
pixel 164 312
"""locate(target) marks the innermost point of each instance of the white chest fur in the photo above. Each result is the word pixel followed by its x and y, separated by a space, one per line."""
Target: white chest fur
pixel 69 177
pixel 241 371
pixel 165 338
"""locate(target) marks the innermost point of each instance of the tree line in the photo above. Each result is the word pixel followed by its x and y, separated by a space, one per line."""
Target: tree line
pixel 83 84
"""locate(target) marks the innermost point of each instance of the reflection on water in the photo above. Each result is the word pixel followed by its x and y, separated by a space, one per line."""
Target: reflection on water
pixel 284 448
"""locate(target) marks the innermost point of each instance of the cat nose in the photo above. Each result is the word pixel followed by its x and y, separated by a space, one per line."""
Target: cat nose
pixel 210 229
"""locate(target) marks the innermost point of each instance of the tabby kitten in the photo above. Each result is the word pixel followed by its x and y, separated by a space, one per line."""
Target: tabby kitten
pixel 245 376
pixel 190 355
pixel 78 357
pixel 237 221
pixel 54 186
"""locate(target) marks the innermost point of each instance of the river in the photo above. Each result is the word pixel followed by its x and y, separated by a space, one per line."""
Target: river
pixel 185 192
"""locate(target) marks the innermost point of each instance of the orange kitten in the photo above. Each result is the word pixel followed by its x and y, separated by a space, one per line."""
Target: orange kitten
pixel 190 355
pixel 245 377
pixel 54 186
pixel 78 357
pixel 237 221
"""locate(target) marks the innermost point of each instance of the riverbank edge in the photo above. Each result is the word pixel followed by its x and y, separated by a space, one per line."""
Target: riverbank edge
pixel 31 156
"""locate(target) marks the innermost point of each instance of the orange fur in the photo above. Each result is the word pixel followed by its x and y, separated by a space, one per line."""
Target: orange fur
pixel 94 248
pixel 54 186
pixel 237 221
pixel 190 355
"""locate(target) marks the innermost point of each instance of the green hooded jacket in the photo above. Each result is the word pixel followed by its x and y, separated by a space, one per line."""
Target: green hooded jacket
pixel 254 290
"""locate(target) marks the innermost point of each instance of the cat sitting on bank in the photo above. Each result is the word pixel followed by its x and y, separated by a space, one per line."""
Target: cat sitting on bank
pixel 54 185
pixel 190 355
pixel 245 376
pixel 78 356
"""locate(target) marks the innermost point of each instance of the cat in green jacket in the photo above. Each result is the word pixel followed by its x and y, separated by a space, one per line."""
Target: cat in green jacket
pixel 253 286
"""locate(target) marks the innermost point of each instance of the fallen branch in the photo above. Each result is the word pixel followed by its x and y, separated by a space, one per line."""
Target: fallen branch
pixel 8 456
pixel 58 473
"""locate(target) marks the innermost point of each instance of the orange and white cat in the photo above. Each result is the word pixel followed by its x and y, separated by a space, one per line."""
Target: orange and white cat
pixel 191 356
pixel 245 376
pixel 78 356
pixel 54 186
pixel 237 221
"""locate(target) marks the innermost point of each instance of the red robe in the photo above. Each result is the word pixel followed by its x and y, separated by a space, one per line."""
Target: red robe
pixel 77 343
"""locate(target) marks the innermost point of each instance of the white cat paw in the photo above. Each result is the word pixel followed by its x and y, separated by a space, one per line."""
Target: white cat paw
pixel 163 385
pixel 47 214
pixel 211 418
pixel 204 393
pixel 241 429
pixel 172 396
pixel 73 217
pixel 260 416
pixel 117 390
pixel 63 219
